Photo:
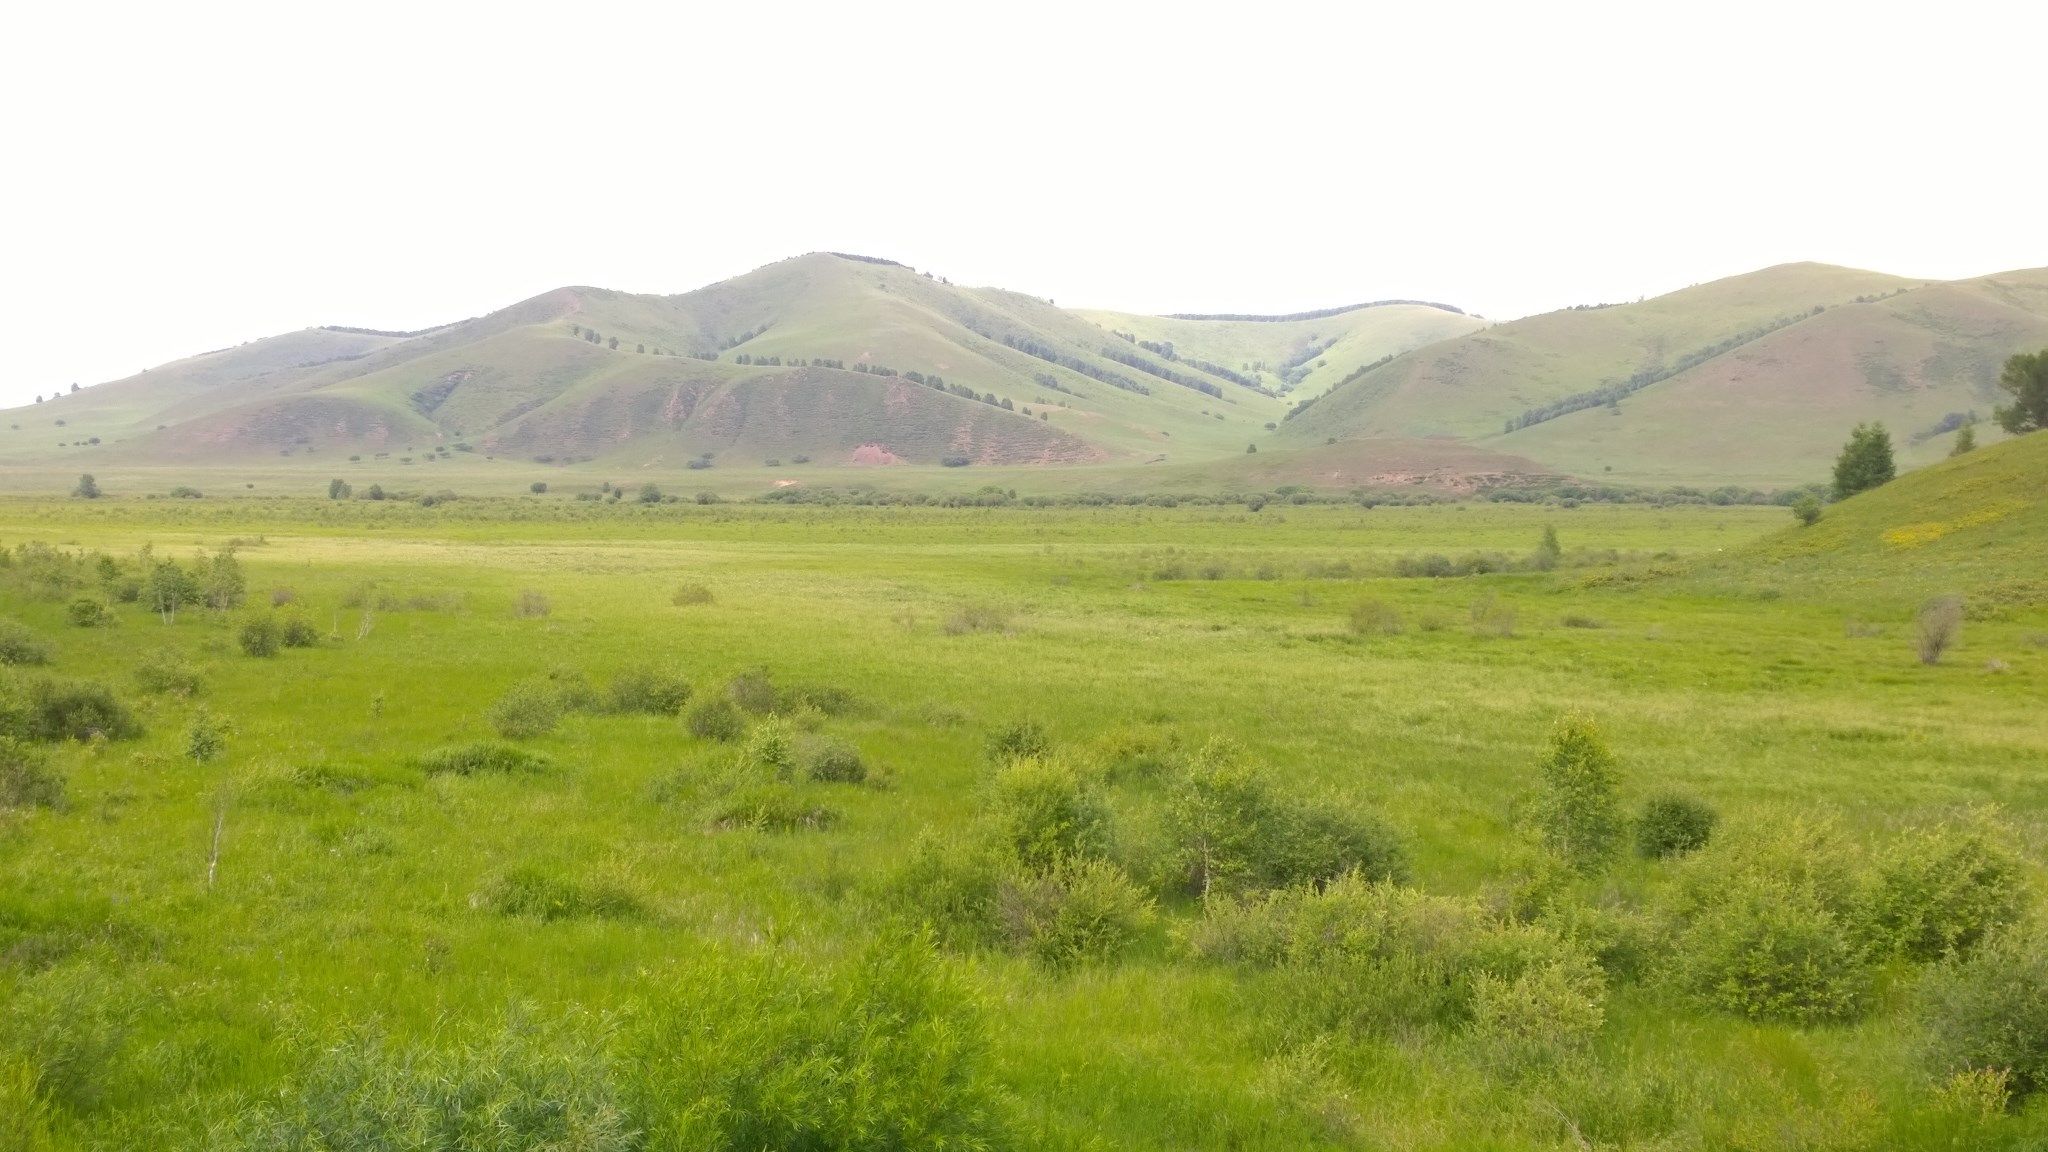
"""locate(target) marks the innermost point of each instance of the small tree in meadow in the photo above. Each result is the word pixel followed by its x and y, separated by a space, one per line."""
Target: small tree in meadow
pixel 1806 510
pixel 1866 461
pixel 1966 441
pixel 1577 810
pixel 87 488
pixel 1939 624
pixel 2026 377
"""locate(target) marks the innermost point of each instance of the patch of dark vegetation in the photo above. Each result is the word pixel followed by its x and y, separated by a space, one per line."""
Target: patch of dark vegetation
pixel 482 757
pixel 47 709
pixel 1317 314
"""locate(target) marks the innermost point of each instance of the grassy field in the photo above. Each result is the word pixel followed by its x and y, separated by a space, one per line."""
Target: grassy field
pixel 319 939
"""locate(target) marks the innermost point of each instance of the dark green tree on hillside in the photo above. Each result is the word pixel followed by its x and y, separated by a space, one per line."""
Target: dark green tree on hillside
pixel 2026 377
pixel 1865 462
pixel 1966 441
pixel 88 488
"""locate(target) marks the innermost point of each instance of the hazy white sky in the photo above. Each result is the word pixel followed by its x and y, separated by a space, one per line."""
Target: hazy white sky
pixel 180 177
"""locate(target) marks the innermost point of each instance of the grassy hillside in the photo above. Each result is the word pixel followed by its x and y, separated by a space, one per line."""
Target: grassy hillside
pixel 1976 525
pixel 1297 358
pixel 822 355
pixel 1472 386
pixel 1776 410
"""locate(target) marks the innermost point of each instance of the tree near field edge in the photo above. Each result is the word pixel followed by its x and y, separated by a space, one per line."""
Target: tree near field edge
pixel 1866 461
pixel 2026 377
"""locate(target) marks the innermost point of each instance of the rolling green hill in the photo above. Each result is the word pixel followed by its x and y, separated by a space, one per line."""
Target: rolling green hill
pixel 842 363
pixel 1976 524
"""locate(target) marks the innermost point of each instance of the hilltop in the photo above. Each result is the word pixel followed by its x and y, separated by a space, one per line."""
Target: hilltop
pixel 836 363
pixel 1754 379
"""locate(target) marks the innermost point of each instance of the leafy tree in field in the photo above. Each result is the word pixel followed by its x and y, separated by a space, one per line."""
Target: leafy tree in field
pixel 2026 377
pixel 1865 462
pixel 1806 510
pixel 538 487
pixel 613 343
pixel 88 488
pixel 221 582
pixel 338 489
pixel 1577 812
pixel 166 587
pixel 1966 441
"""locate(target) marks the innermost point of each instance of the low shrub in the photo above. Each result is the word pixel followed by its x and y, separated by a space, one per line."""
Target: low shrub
pixel 1937 627
pixel 165 672
pixel 531 604
pixel 1374 618
pixel 259 636
pixel 831 761
pixel 753 691
pixel 1767 923
pixel 20 646
pixel 690 595
pixel 650 690
pixel 26 777
pixel 279 597
pixel 531 890
pixel 1079 911
pixel 1673 825
pixel 1576 620
pixel 480 757
pixel 86 612
pixel 977 618
pixel 771 749
pixel 827 699
pixel 714 718
pixel 48 709
pixel 1575 810
pixel 528 709
pixel 297 632
pixel 770 806
pixel 1044 813
pixel 1988 1011
pixel 1017 740
pixel 1939 891
pixel 573 688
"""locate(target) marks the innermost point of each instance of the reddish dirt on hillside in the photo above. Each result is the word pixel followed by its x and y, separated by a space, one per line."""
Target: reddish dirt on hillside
pixel 875 454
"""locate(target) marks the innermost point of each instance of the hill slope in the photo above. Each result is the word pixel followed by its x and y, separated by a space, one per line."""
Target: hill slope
pixel 1975 524
pixel 847 359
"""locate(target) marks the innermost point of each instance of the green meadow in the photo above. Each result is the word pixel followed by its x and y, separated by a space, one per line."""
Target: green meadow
pixel 545 823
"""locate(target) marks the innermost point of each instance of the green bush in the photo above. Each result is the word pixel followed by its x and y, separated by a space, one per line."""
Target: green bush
pixel 1576 810
pixel 298 632
pixel 1374 618
pixel 1018 740
pixel 950 888
pixel 1769 924
pixel 649 689
pixel 1939 891
pixel 259 636
pixel 771 749
pixel 164 671
pixel 1673 825
pixel 482 756
pixel 689 595
pixel 20 646
pixel 886 1051
pixel 831 761
pixel 48 709
pixel 531 890
pixel 573 688
pixel 770 806
pixel 527 709
pixel 1229 830
pixel 715 718
pixel 526 1088
pixel 86 612
pixel 753 691
pixel 26 777
pixel 1079 911
pixel 1988 1011
pixel 1046 814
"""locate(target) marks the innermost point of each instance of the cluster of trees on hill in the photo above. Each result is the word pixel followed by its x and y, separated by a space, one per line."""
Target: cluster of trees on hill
pixel 1318 314
pixel 742 338
pixel 1053 355
pixel 1296 367
pixel 1050 383
pixel 1354 374
pixel 1946 425
pixel 1133 360
pixel 1613 394
pixel 389 332
pixel 1165 350
pixel 868 259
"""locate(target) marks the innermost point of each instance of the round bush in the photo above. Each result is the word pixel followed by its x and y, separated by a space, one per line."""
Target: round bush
pixel 529 708
pixel 19 645
pixel 1082 911
pixel 259 636
pixel 715 718
pixel 655 691
pixel 1989 1011
pixel 1018 740
pixel 753 691
pixel 833 761
pixel 86 612
pixel 298 632
pixel 1672 825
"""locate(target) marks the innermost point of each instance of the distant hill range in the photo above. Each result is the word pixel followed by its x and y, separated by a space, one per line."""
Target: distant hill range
pixel 855 361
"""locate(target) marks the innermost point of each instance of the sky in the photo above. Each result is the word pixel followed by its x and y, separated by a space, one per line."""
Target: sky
pixel 185 177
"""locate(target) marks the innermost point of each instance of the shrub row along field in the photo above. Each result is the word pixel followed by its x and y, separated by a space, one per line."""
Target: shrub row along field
pixel 1161 828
